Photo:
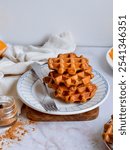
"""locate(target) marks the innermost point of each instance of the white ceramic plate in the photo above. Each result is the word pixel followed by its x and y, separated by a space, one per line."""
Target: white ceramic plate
pixel 31 91
pixel 108 58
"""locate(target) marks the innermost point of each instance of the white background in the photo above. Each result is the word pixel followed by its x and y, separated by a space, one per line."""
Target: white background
pixel 30 21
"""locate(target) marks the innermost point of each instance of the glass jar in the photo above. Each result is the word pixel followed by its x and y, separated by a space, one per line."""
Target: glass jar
pixel 8 111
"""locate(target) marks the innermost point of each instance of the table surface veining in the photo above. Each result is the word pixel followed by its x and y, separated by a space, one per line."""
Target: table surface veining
pixel 84 135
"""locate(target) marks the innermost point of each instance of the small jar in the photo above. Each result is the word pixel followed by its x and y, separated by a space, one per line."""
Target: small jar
pixel 8 111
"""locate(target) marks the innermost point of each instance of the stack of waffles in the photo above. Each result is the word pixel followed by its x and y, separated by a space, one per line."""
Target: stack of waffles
pixel 70 78
pixel 108 132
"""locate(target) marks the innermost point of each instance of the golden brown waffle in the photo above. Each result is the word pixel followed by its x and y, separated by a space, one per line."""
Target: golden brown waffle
pixel 108 132
pixel 81 93
pixel 68 80
pixel 69 63
pixel 50 82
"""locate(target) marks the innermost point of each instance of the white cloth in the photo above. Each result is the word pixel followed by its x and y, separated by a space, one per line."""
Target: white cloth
pixel 17 59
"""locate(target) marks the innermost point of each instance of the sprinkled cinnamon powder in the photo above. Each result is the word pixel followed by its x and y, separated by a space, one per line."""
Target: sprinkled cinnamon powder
pixel 15 133
pixel 11 133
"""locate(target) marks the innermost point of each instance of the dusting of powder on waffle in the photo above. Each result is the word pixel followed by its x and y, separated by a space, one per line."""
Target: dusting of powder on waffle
pixel 71 78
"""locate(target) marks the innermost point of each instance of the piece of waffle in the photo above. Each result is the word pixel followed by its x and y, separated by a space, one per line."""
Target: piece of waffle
pixel 50 82
pixel 108 132
pixel 82 77
pixel 81 93
pixel 69 63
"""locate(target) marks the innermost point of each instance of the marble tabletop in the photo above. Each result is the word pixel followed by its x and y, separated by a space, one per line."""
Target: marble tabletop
pixel 84 135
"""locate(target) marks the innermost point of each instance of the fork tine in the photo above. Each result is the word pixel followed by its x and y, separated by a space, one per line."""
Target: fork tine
pixel 51 106
pixel 47 108
pixel 44 106
pixel 55 107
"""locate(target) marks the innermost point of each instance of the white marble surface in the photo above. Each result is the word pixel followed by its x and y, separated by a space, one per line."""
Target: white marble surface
pixel 84 135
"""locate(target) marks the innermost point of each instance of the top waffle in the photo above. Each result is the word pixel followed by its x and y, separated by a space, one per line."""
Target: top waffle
pixel 69 63
pixel 108 132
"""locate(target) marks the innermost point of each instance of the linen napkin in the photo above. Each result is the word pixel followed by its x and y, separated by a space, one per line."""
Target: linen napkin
pixel 17 59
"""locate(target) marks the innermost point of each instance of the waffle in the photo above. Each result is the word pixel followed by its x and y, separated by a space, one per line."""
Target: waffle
pixel 69 63
pixel 50 82
pixel 108 132
pixel 68 80
pixel 81 93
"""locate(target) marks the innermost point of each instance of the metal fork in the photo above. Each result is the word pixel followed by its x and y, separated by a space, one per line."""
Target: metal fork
pixel 47 103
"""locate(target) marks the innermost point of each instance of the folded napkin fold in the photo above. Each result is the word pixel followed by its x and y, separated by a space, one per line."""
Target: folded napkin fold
pixel 17 59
